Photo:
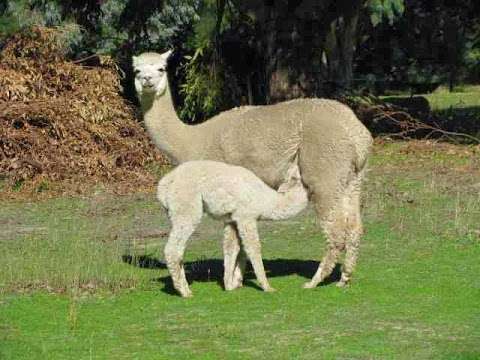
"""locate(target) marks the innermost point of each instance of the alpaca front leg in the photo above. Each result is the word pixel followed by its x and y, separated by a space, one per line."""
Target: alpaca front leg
pixel 231 250
pixel 251 243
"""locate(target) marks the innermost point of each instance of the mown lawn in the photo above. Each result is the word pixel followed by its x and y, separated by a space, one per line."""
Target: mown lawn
pixel 464 97
pixel 82 278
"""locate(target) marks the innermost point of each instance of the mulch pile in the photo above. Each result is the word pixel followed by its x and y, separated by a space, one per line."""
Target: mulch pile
pixel 66 124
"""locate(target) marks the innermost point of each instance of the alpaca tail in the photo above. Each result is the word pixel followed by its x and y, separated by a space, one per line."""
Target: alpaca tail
pixel 360 136
pixel 162 191
pixel 364 142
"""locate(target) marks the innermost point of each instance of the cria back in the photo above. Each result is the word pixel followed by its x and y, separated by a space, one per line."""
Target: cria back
pixel 226 189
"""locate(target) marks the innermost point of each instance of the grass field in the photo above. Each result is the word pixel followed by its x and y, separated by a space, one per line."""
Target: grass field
pixel 80 278
pixel 464 97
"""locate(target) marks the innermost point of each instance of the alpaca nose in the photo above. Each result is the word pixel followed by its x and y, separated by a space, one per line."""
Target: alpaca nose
pixel 147 78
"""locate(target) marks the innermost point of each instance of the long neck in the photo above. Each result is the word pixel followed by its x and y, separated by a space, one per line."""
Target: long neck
pixel 168 132
pixel 289 203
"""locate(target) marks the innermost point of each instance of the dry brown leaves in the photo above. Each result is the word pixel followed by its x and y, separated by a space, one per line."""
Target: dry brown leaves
pixel 65 123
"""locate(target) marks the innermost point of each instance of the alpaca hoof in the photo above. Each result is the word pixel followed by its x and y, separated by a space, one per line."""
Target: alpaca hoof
pixel 237 283
pixel 186 294
pixel 232 286
pixel 309 285
pixel 269 289
pixel 342 284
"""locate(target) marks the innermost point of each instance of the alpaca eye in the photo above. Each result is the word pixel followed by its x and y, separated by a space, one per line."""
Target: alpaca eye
pixel 161 70
pixel 136 72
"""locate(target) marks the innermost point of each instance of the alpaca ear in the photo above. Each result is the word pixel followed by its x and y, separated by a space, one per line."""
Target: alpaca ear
pixel 134 60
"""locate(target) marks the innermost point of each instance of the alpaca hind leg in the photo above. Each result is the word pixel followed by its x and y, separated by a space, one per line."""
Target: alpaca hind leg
pixel 326 266
pixel 351 254
pixel 334 227
pixel 326 176
pixel 247 230
pixel 353 233
pixel 231 251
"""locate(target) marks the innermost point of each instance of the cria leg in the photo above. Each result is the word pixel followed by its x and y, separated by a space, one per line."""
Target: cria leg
pixel 184 216
pixel 174 250
pixel 239 270
pixel 231 251
pixel 247 229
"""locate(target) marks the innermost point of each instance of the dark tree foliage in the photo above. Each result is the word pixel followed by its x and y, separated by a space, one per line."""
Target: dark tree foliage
pixel 434 42
pixel 303 48
pixel 119 28
pixel 282 49
pixel 106 26
pixel 236 52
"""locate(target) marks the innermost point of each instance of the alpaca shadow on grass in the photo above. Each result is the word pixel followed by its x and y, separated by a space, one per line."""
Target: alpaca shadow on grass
pixel 212 270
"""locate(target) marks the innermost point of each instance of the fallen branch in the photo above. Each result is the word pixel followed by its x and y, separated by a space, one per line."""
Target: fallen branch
pixel 37 165
pixel 412 125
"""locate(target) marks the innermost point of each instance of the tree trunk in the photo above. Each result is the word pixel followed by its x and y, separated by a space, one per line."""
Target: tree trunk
pixel 294 36
pixel 340 44
pixel 291 48
pixel 451 29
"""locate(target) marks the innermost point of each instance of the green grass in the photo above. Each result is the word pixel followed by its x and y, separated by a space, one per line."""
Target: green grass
pixel 67 294
pixel 464 97
pixel 467 96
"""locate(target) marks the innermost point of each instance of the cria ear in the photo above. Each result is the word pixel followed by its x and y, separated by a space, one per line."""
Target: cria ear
pixel 165 55
pixel 293 172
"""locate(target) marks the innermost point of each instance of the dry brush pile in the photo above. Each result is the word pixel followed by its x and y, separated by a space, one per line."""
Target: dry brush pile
pixel 64 123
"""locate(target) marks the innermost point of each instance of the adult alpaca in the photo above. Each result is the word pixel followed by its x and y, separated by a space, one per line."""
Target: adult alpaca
pixel 332 145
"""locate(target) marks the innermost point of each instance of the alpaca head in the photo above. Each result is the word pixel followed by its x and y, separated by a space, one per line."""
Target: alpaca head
pixel 151 73
pixel 293 179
